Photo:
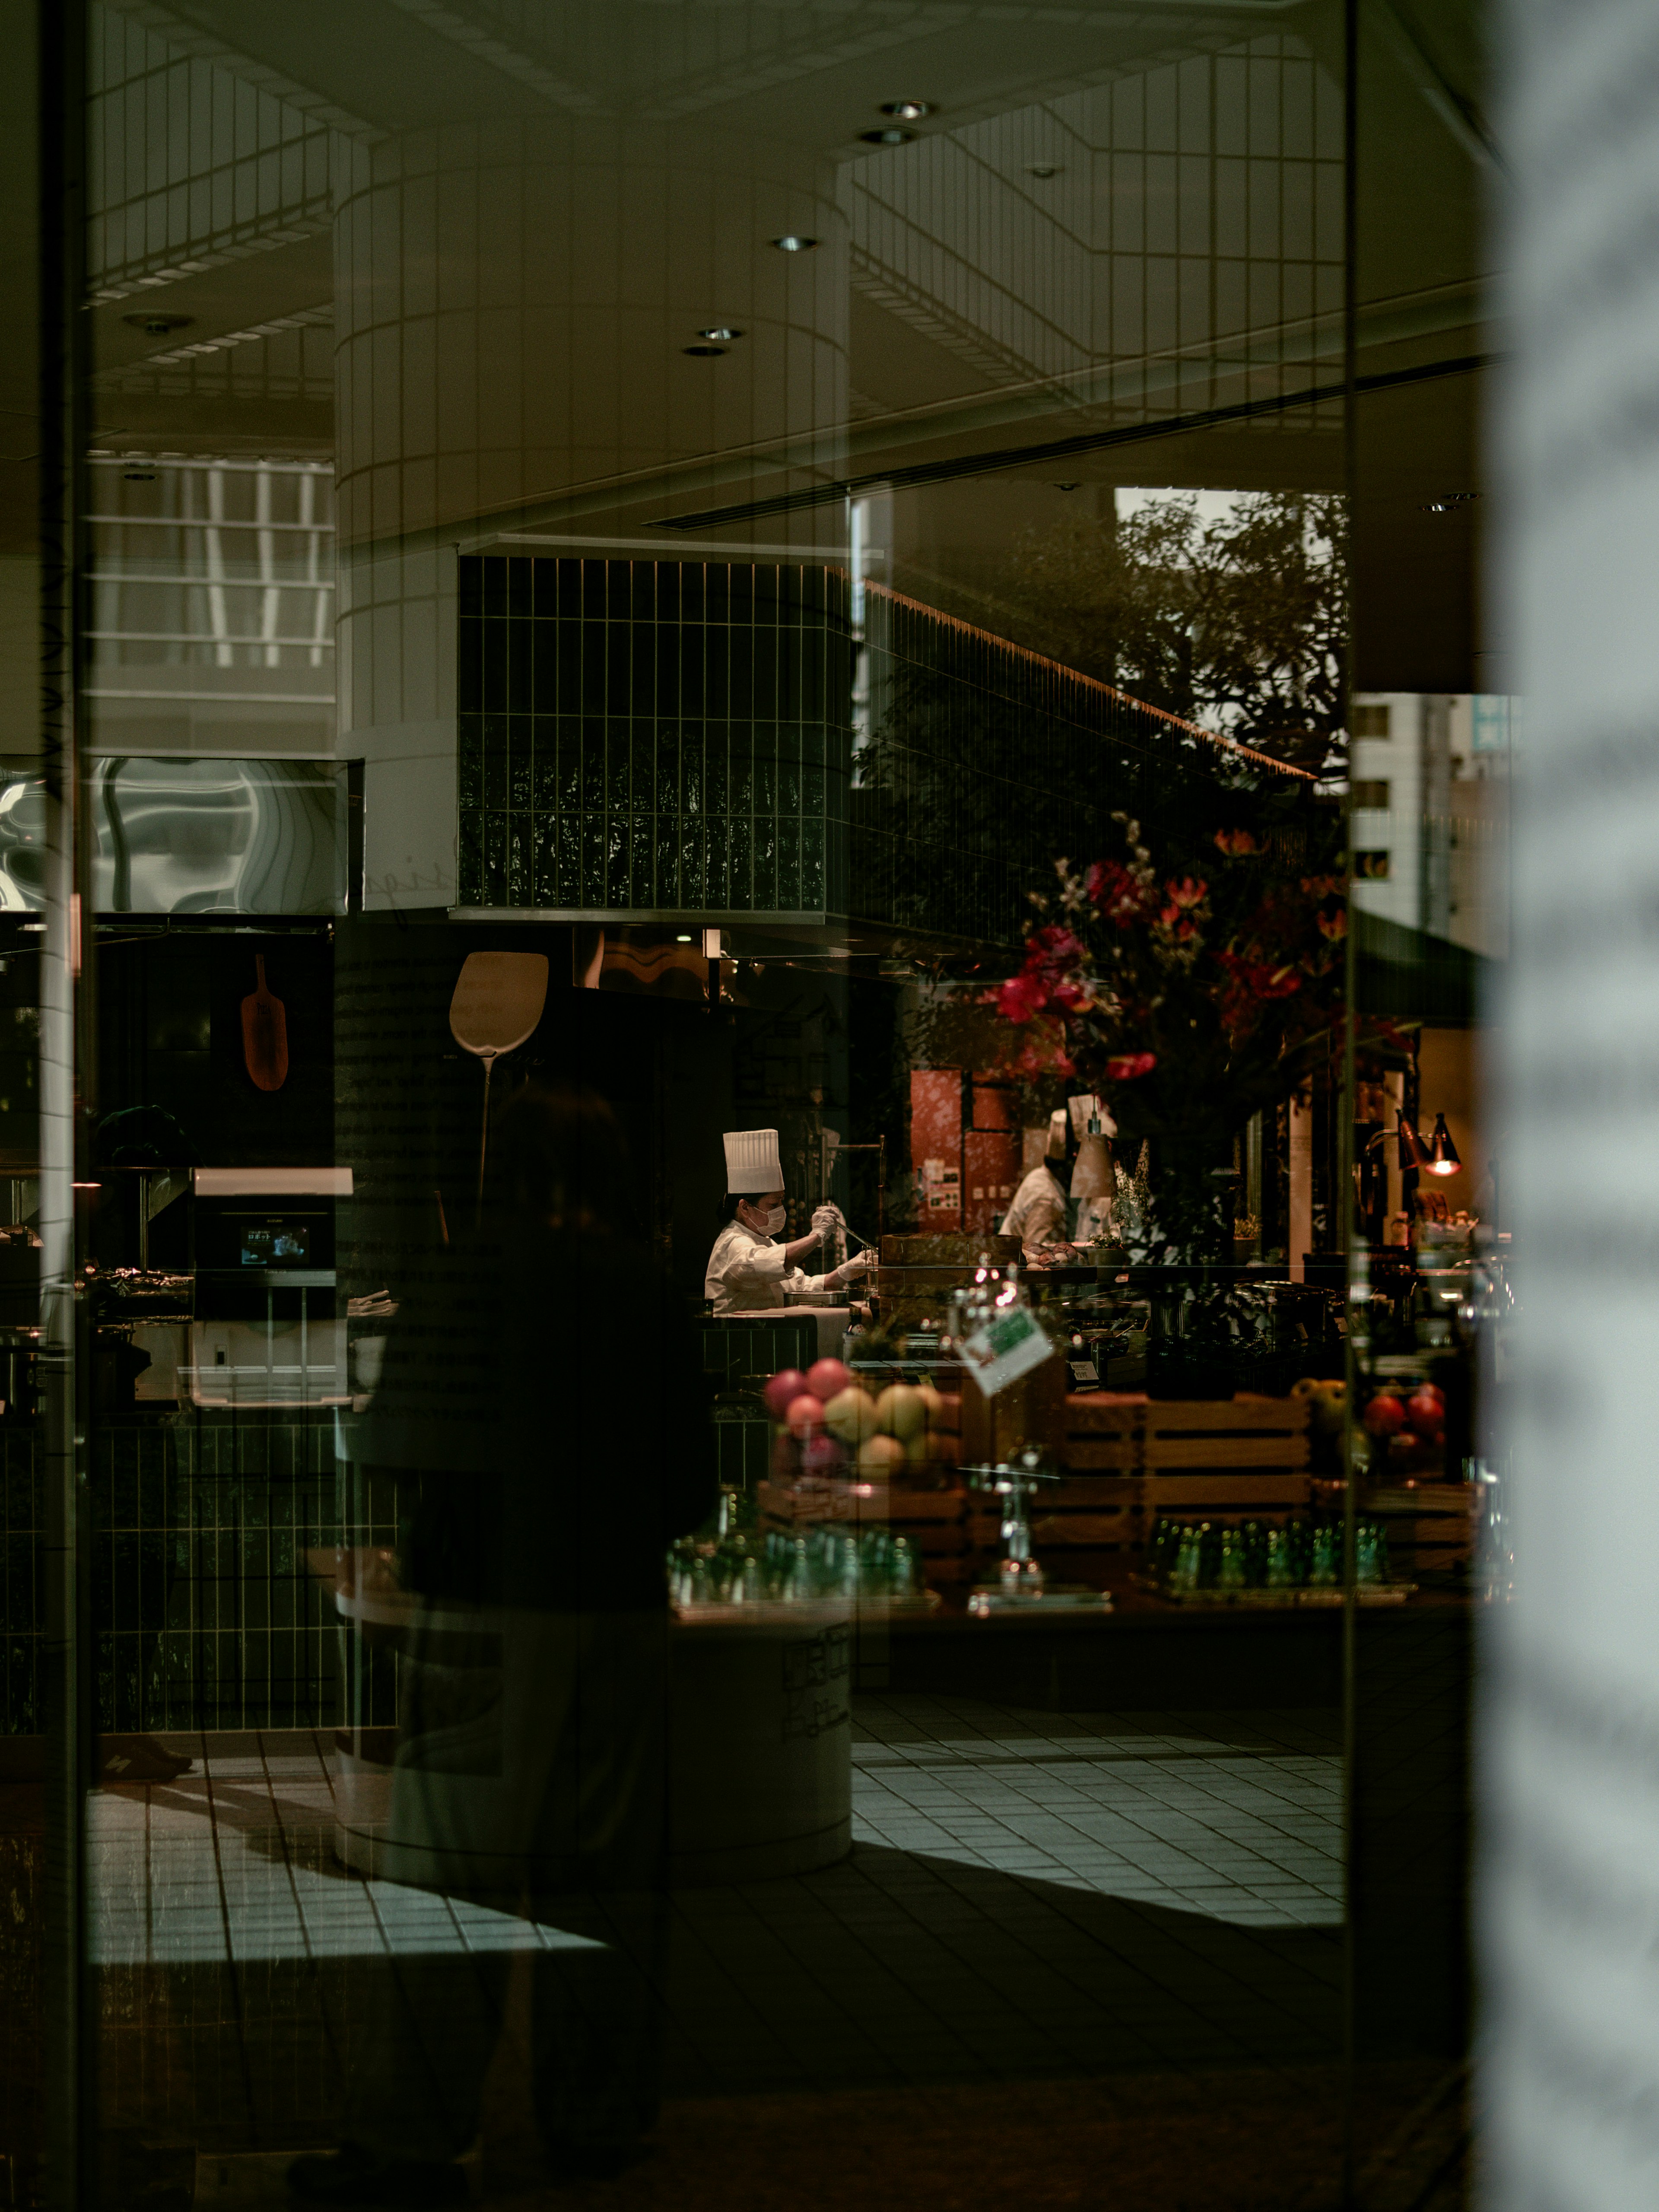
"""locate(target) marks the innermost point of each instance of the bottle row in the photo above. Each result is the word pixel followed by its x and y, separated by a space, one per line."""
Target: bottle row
pixel 1302 1554
pixel 825 1562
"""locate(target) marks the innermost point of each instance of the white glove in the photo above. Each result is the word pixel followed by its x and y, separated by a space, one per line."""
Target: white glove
pixel 858 1264
pixel 827 1218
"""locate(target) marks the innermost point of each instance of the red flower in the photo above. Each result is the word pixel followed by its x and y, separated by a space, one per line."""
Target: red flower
pixel 1020 998
pixel 1052 948
pixel 1127 1067
pixel 1235 841
pixel 1334 925
pixel 1185 892
pixel 1114 892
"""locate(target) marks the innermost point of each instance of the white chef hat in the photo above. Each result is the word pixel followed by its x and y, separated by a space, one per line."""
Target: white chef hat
pixel 753 1163
pixel 1086 1107
pixel 1057 1134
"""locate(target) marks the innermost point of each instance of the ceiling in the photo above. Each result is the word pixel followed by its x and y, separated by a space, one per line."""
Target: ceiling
pixel 1111 255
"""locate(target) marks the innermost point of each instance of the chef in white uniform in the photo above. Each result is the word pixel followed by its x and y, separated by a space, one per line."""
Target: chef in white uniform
pixel 748 1269
pixel 1045 1210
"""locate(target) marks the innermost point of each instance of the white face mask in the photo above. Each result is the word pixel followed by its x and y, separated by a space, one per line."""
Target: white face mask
pixel 775 1220
pixel 770 1223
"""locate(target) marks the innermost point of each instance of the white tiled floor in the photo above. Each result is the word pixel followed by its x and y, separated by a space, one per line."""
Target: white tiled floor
pixel 1029 1896
pixel 1249 1834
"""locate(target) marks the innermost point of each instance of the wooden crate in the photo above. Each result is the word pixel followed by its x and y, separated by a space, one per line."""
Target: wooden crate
pixel 1237 1432
pixel 1430 1528
pixel 1101 1430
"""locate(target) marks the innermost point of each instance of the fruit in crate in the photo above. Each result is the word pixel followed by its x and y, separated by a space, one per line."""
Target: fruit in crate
pixel 780 1393
pixel 901 1412
pixel 1384 1415
pixel 1425 1411
pixel 828 1379
pixel 1327 1398
pixel 882 1455
pixel 821 1455
pixel 851 1414
pixel 805 1414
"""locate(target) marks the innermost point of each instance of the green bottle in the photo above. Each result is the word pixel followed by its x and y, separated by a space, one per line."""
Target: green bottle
pixel 1229 1567
pixel 1280 1570
pixel 1323 1573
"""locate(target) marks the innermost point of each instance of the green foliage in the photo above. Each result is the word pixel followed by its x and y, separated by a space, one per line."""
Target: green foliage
pixel 1239 624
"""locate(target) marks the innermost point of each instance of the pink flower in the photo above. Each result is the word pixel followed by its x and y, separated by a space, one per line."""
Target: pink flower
pixel 1020 998
pixel 1127 1067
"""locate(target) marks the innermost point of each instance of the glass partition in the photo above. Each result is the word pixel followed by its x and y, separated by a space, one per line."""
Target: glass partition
pixel 758 1404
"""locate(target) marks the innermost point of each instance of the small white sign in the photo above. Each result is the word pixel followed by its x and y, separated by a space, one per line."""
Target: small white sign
pixel 1009 1346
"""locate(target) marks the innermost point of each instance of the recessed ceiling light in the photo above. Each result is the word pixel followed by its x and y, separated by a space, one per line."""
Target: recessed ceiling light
pixel 720 334
pixel 793 242
pixel 1065 487
pixel 139 476
pixel 681 940
pixel 891 137
pixel 703 352
pixel 907 110
pixel 157 326
pixel 1042 169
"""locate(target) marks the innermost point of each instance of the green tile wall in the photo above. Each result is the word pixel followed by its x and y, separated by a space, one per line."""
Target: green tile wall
pixel 639 737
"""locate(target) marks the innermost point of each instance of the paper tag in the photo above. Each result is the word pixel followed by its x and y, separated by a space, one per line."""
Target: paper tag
pixel 1009 1346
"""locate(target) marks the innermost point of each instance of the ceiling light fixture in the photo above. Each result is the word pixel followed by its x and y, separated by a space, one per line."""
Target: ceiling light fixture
pixel 720 334
pixel 791 242
pixel 157 326
pixel 1042 169
pixel 703 352
pixel 906 111
pixel 891 137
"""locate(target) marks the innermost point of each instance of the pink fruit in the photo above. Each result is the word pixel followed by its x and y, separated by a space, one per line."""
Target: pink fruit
pixel 782 1390
pixel 1426 1409
pixel 822 1454
pixel 828 1379
pixel 805 1415
pixel 1385 1416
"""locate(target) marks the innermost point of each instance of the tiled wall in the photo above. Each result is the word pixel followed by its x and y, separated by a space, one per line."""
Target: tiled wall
pixel 207 1615
pixel 639 737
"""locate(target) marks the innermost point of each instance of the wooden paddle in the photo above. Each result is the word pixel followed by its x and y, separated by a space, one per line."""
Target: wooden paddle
pixel 264 1035
pixel 498 1000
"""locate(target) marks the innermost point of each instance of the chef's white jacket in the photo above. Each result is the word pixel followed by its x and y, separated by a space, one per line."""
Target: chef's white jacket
pixel 748 1271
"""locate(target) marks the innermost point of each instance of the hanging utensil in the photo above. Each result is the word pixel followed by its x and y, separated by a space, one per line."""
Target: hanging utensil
pixel 264 1034
pixel 498 1001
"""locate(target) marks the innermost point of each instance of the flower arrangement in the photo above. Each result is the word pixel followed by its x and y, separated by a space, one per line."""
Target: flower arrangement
pixel 1190 993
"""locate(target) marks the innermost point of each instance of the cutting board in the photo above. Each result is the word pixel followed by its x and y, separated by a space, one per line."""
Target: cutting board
pixel 264 1035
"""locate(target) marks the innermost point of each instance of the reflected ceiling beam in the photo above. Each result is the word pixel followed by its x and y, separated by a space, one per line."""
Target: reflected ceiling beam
pixel 1059 449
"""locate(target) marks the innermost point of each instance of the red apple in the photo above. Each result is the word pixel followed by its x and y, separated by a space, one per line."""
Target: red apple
pixel 805 1415
pixel 828 1379
pixel 1426 1409
pixel 780 1393
pixel 1385 1416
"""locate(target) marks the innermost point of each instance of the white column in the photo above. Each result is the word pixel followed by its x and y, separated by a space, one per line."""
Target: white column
pixel 1570 1876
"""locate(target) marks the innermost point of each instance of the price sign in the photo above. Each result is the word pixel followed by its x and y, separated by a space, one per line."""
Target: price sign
pixel 1009 1346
